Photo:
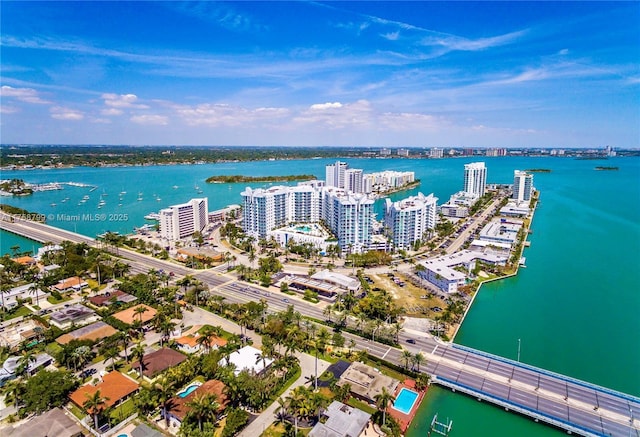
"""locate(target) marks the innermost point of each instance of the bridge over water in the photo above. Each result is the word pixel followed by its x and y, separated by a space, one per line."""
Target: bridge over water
pixel 576 406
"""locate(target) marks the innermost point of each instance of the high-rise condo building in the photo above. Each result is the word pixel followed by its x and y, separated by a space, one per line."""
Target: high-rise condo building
pixel 475 178
pixel 350 217
pixel 522 186
pixel 409 219
pixel 181 221
pixel 266 209
pixel 335 174
pixel 353 180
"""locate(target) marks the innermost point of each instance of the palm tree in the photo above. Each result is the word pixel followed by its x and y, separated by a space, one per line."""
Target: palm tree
pixel 382 400
pixel 34 288
pixel 137 353
pixel 124 338
pixel 417 360
pixel 94 405
pixel 139 311
pixel 13 391
pixel 207 334
pixel 203 407
pixel 406 358
pixel 163 389
pixel 26 359
pixel 110 354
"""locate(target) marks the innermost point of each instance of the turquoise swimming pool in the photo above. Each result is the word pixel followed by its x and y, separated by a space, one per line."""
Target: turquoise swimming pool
pixel 187 391
pixel 405 400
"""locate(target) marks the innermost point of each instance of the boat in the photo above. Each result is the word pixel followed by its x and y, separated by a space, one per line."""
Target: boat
pixel 85 197
pixel 122 193
pixel 175 187
pixel 152 216
pixel 158 199
pixel 53 204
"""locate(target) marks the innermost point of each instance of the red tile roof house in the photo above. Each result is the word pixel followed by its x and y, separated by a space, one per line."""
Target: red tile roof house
pixel 158 361
pixel 114 385
pixel 73 283
pixel 129 315
pixel 178 409
pixel 189 343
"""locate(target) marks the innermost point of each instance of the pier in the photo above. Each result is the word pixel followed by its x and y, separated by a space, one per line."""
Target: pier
pixel 567 403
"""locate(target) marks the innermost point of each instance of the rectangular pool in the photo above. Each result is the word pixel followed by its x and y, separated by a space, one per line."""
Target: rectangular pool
pixel 405 400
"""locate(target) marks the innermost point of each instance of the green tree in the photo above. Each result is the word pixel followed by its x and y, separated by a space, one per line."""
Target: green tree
pixel 95 405
pixel 382 401
pixel 203 407
pixel 47 389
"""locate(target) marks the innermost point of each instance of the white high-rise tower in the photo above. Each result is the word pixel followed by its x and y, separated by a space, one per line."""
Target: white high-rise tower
pixel 522 186
pixel 475 178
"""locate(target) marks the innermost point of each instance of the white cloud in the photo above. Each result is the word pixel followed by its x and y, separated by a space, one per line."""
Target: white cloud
pixel 111 111
pixel 453 42
pixel 62 113
pixel 4 109
pixel 391 36
pixel 563 52
pixel 28 95
pixel 122 101
pixel 226 115
pixel 150 119
pixel 322 106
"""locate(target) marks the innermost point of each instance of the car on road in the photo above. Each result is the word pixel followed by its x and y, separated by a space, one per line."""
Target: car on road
pixel 411 341
pixel 285 300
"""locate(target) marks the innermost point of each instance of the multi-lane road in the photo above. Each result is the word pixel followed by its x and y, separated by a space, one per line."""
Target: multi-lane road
pixel 576 406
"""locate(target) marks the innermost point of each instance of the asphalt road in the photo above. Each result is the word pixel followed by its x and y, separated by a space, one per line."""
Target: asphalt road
pixel 590 409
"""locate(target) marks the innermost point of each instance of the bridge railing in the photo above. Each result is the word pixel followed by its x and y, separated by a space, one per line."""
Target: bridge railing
pixel 549 373
pixel 522 409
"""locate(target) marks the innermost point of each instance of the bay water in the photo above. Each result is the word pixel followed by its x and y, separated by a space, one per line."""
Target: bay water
pixel 574 307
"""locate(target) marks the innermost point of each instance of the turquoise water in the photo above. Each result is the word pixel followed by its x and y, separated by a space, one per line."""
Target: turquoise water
pixel 187 391
pixel 405 400
pixel 575 307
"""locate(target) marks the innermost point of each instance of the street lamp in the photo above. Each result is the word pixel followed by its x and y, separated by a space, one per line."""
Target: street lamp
pixel 518 350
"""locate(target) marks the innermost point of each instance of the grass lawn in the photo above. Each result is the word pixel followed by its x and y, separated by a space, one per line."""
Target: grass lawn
pixel 75 410
pixel 21 311
pixel 52 300
pixel 355 403
pixel 277 430
pixel 124 410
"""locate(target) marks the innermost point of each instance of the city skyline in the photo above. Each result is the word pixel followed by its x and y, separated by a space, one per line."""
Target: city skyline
pixel 411 74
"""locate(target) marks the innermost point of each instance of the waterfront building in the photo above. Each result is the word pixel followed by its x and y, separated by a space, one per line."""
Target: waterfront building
pixel 408 220
pixel 264 210
pixel 386 180
pixel 341 420
pixel 385 152
pixel 501 230
pixel 350 217
pixel 403 152
pixel 442 272
pixel 522 186
pixel 475 178
pixel 353 180
pixel 335 174
pixel 515 209
pixel 310 233
pixel 222 215
pixel 182 221
pixel 436 153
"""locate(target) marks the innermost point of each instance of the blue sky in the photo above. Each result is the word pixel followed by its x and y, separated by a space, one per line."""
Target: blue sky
pixel 487 74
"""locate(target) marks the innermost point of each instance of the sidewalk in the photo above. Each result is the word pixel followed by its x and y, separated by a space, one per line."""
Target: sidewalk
pixel 267 417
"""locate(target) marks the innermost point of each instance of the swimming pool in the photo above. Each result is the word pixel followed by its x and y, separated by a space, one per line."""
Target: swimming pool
pixel 187 391
pixel 405 400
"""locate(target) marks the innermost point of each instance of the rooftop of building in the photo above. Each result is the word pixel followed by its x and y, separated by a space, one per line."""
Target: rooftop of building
pixel 113 387
pixel 54 422
pixel 367 382
pixel 110 297
pixel 179 408
pixel 71 314
pixel 342 421
pixel 158 361
pixel 247 359
pixel 93 332
pixel 129 315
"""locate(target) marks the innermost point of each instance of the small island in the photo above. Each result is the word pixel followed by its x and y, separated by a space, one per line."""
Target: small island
pixel 15 187
pixel 606 168
pixel 240 178
pixel 538 170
